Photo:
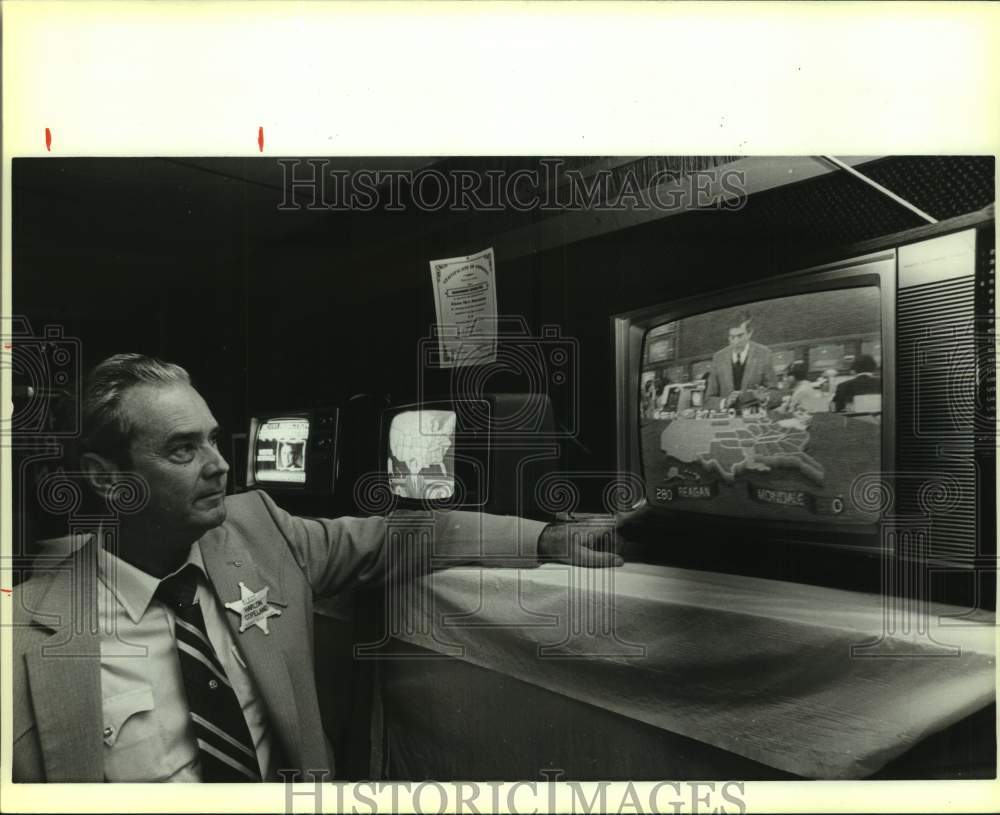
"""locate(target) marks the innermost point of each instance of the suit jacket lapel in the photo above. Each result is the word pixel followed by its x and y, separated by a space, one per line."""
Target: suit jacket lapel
pixel 228 563
pixel 64 672
pixel 753 367
pixel 724 370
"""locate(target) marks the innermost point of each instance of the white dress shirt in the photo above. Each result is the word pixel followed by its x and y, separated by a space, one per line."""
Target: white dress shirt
pixel 148 734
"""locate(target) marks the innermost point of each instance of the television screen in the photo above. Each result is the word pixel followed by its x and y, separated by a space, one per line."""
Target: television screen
pixel 421 461
pixel 769 443
pixel 661 350
pixel 782 360
pixel 827 356
pixel 280 451
pixel 673 397
pixel 676 373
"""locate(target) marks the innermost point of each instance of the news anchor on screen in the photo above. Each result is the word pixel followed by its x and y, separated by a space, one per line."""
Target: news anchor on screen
pixel 289 456
pixel 741 366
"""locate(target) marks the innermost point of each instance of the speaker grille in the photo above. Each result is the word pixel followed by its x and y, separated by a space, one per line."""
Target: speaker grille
pixel 936 407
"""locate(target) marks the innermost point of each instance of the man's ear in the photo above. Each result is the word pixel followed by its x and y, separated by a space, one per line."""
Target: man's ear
pixel 98 471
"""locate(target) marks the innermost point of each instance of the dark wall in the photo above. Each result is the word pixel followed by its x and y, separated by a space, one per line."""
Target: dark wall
pixel 194 261
pixel 783 320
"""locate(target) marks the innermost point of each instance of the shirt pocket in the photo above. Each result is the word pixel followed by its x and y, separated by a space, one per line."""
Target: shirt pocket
pixel 133 742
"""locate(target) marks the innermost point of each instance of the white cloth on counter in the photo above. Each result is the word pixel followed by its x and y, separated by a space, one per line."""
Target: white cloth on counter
pixel 801 678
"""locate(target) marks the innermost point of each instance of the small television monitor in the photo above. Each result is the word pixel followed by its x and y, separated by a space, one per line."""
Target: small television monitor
pixel 676 373
pixel 280 450
pixel 421 455
pixel 673 398
pixel 456 452
pixel 661 350
pixel 294 451
pixel 826 356
pixel 783 360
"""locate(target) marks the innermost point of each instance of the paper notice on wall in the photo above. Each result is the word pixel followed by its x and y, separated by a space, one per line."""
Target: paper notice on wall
pixel 466 303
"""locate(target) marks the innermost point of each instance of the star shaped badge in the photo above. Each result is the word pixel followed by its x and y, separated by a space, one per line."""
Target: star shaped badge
pixel 253 608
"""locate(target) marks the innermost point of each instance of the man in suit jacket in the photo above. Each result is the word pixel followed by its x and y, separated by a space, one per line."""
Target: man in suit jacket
pixel 112 682
pixel 741 366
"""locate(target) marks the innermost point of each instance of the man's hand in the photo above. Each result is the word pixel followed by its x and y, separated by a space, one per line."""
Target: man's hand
pixel 732 399
pixel 592 542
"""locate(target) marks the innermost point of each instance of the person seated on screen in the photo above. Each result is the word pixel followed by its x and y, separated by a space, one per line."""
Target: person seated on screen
pixel 829 381
pixel 187 653
pixel 743 366
pixel 805 397
pixel 663 391
pixel 867 381
pixel 648 398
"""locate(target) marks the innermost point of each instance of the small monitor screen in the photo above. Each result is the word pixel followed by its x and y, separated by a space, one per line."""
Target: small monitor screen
pixel 782 360
pixel 773 438
pixel 280 451
pixel 827 357
pixel 422 454
pixel 673 397
pixel 676 373
pixel 661 350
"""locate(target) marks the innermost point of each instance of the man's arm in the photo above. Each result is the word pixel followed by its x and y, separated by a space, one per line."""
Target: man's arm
pixel 343 553
pixel 582 542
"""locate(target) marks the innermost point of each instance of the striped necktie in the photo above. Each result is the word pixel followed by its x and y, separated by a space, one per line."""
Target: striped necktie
pixel 226 750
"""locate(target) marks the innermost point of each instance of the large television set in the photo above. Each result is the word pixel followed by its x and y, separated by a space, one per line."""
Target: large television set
pixel 842 407
pixel 293 451
pixel 481 452
pixel 766 445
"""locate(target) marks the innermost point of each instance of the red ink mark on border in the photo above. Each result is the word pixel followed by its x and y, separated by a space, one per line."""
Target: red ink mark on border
pixel 48 140
pixel 7 591
pixel 7 347
pixel 260 138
